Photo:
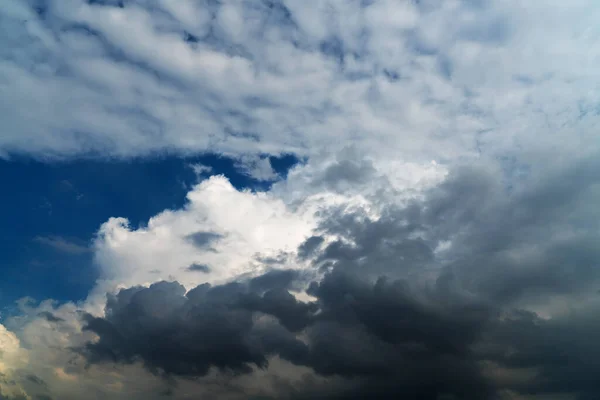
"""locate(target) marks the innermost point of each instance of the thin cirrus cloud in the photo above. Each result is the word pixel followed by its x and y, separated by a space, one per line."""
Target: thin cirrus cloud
pixel 437 241
pixel 61 244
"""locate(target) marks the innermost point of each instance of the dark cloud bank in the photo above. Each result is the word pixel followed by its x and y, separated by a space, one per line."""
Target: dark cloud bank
pixel 394 317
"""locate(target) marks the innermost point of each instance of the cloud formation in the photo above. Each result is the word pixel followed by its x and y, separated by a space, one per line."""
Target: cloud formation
pixel 424 79
pixel 465 291
pixel 439 240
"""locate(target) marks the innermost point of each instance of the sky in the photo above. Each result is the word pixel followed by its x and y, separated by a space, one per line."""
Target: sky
pixel 53 210
pixel 282 199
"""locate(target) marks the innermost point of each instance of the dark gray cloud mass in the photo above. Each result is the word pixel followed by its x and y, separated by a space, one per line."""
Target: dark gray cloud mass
pixel 185 334
pixel 396 314
pixel 376 333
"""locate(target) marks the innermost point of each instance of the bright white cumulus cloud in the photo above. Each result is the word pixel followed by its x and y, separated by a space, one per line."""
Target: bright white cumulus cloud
pixel 220 228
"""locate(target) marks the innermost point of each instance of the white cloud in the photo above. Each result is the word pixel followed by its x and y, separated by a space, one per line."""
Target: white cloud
pixel 243 224
pixel 11 349
pixel 427 80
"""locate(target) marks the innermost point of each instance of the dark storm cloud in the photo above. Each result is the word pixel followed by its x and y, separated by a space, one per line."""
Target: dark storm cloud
pixel 564 350
pixel 387 246
pixel 401 340
pixel 276 279
pixel 370 332
pixel 506 250
pixel 395 316
pixel 309 246
pixel 184 334
pixel 541 239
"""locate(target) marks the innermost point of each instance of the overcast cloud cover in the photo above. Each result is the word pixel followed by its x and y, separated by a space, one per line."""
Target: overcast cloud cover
pixel 439 238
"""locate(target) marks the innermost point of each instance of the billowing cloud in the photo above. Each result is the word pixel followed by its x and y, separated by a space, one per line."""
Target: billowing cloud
pixel 220 227
pixel 12 356
pixel 466 289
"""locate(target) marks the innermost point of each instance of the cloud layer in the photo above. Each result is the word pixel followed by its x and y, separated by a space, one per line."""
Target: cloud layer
pixel 245 77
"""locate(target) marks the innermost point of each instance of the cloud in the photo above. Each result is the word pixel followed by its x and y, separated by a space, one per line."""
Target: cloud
pixel 61 244
pixel 202 329
pixel 464 289
pixel 439 241
pixel 354 334
pixel 199 268
pixel 50 317
pixel 219 227
pixel 200 169
pixel 12 357
pixel 428 81
pixel 258 168
pixel 203 239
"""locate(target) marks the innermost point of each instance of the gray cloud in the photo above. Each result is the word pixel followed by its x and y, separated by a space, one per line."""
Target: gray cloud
pixel 183 334
pixel 204 240
pixel 309 246
pixel 50 317
pixel 36 380
pixel 62 244
pixel 374 333
pixel 199 268
pixel 258 168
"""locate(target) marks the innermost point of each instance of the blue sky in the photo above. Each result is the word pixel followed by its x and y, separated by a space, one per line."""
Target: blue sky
pixel 285 199
pixel 53 211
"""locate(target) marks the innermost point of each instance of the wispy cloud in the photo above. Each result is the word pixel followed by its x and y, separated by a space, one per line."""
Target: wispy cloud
pixel 257 167
pixel 62 244
pixel 200 169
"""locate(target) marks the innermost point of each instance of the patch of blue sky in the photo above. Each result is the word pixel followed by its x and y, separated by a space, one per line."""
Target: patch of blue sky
pixel 51 211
